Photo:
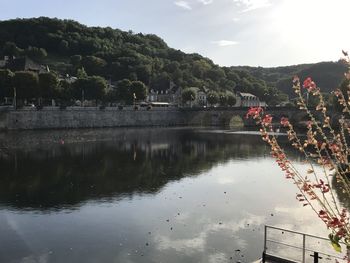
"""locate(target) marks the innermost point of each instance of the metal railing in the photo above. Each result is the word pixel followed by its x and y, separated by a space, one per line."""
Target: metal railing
pixel 283 245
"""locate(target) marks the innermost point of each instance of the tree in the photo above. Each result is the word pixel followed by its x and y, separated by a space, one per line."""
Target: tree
pixel 65 91
pixel 26 84
pixel 96 89
pixel 6 79
pixel 231 99
pixel 76 60
pixel 139 89
pixel 212 97
pixel 161 81
pixel 36 53
pixel 63 46
pixel 144 73
pixel 48 85
pixel 222 99
pixel 81 73
pixel 188 94
pixel 123 91
pixel 199 68
pixel 215 74
pixel 93 88
pixel 10 49
pixel 118 55
pixel 93 65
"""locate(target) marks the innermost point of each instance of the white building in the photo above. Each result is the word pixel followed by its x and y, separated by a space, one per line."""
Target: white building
pixel 248 100
pixel 201 98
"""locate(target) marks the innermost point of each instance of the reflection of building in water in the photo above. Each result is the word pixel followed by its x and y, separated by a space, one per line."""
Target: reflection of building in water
pixel 198 148
pixel 168 151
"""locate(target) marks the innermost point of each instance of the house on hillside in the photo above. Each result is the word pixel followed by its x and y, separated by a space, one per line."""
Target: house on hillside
pixel 201 98
pixel 170 94
pixel 69 79
pixel 22 64
pixel 248 100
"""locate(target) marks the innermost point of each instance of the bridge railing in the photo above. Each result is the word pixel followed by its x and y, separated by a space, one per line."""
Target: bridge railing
pixel 283 245
pixel 221 108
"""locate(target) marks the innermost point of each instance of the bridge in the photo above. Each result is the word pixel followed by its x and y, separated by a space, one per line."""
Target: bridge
pixel 231 116
pixel 94 117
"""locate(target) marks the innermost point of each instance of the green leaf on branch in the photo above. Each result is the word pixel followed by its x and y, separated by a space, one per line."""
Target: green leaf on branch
pixel 335 242
pixel 336 246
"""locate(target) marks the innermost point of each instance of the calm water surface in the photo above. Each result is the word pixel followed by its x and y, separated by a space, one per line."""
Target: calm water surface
pixel 141 195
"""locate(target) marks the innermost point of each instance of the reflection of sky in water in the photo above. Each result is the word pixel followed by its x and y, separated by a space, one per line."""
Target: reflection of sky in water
pixel 217 216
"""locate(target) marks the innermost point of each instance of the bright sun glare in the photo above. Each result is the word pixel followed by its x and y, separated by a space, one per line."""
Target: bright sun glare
pixel 318 28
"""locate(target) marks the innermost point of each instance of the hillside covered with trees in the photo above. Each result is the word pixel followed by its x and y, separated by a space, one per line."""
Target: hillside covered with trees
pixel 328 75
pixel 135 63
pixel 66 47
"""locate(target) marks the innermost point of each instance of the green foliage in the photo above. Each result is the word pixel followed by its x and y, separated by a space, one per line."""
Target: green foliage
pixel 93 88
pixel 139 89
pixel 123 91
pixel 117 55
pixel 327 75
pixel 10 49
pixel 93 65
pixel 215 74
pixel 65 91
pixel 212 97
pixel 48 85
pixel 223 99
pixel 231 99
pixel 126 89
pixel 188 94
pixel 81 73
pixel 26 84
pixel 6 79
pixel 35 53
pixel 76 60
pixel 161 81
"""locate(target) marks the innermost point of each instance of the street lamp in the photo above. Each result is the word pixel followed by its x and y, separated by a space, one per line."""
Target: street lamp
pixel 192 99
pixel 134 97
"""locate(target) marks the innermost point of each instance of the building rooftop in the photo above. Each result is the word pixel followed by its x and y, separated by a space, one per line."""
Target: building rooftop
pixel 244 94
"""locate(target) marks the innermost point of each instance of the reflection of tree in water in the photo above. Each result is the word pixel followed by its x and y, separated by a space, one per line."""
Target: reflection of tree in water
pixel 64 175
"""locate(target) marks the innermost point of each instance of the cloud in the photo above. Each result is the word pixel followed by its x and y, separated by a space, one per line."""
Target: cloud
pixel 225 43
pixel 198 241
pixel 206 2
pixel 183 4
pixel 249 5
pixel 236 19
pixel 191 244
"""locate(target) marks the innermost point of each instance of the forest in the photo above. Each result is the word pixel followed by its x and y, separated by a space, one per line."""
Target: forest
pixel 135 62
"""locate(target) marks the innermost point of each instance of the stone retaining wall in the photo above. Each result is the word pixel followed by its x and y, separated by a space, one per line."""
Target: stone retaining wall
pixel 88 118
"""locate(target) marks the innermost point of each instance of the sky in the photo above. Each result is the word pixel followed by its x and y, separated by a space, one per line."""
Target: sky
pixel 264 33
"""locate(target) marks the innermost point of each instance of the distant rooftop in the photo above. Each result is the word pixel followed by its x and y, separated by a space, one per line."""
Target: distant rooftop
pixel 246 95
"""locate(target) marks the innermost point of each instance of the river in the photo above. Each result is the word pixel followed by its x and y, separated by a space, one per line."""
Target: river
pixel 141 195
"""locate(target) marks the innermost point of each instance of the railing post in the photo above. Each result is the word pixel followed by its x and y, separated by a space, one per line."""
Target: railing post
pixel 304 241
pixel 265 237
